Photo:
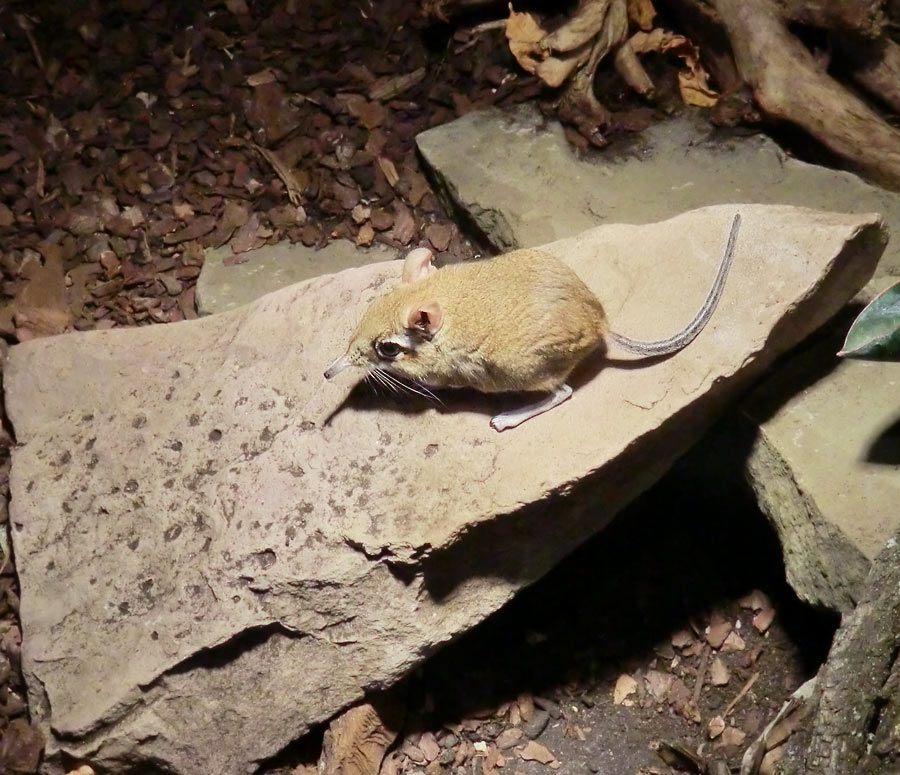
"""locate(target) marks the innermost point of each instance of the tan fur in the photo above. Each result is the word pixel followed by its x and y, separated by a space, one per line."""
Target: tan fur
pixel 521 321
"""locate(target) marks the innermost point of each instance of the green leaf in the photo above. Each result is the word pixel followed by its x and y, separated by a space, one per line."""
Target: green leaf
pixel 876 331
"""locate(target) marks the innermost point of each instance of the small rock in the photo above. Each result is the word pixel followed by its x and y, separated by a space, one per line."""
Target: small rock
pixel 173 285
pixel 429 746
pixel 732 736
pixel 763 620
pixel 716 633
pixel 682 639
pixel 447 757
pixel 448 741
pixel 526 706
pixel 537 724
pixel 658 684
pixel 413 751
pixel 548 705
pixel 439 235
pixel 508 738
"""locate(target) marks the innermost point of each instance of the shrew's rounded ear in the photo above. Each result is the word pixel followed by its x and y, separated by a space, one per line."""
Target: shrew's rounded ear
pixel 427 318
pixel 418 264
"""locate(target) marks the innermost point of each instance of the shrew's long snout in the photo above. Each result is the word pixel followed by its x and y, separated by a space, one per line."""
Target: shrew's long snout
pixel 338 366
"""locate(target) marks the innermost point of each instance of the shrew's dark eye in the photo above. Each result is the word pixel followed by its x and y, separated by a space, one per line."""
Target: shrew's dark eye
pixel 388 349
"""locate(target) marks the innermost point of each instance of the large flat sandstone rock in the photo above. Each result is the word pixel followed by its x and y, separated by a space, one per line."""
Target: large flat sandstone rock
pixel 208 567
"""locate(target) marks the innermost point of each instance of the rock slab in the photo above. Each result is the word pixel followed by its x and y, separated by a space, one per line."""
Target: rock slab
pixel 208 568
pixel 516 176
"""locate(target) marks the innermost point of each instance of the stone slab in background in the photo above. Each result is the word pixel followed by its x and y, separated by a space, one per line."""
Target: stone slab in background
pixel 207 569
pixel 223 286
pixel 517 177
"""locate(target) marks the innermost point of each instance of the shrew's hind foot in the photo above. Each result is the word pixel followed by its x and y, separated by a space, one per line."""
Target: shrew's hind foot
pixel 507 420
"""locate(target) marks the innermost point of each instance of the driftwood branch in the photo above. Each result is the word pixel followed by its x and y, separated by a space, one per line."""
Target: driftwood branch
pixel 856 726
pixel 788 84
pixel 877 70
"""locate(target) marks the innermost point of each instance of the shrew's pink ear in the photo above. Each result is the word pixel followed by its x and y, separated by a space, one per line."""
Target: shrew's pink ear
pixel 418 264
pixel 427 318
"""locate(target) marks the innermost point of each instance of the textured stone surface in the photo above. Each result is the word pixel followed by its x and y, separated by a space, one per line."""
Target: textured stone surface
pixel 222 286
pixel 208 567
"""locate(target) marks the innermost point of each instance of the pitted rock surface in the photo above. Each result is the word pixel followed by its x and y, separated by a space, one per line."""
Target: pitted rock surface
pixel 218 550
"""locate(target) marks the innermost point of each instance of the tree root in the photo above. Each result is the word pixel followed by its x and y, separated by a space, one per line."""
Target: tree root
pixel 788 84
pixel 877 70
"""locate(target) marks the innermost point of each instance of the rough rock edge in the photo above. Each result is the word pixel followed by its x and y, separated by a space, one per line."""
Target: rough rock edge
pixel 821 565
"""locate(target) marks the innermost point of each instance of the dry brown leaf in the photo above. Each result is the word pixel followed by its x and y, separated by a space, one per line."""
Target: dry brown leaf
pixel 264 76
pixel 524 35
pixel 360 214
pixel 732 736
pixel 693 82
pixel 404 224
pixel 182 210
pixel 734 642
pixel 535 752
pixel 439 235
pixel 718 672
pixel 356 741
pixel 641 13
pixel 389 170
pixel 695 89
pixel 682 702
pixel 366 235
pixel 388 88
pixel 715 727
pixel 625 685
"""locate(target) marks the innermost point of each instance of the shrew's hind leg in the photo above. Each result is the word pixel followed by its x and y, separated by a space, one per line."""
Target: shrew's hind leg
pixel 516 417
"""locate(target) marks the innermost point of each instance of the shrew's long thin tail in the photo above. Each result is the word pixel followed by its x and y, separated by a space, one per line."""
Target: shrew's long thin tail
pixel 687 334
